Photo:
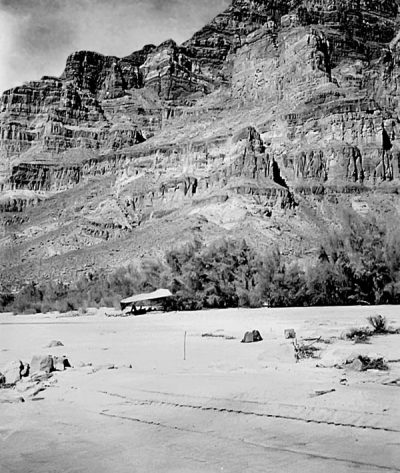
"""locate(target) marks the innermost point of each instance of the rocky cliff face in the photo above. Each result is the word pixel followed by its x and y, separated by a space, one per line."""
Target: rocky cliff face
pixel 324 74
pixel 273 108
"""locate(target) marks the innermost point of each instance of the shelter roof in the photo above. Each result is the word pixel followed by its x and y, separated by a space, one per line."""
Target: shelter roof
pixel 159 294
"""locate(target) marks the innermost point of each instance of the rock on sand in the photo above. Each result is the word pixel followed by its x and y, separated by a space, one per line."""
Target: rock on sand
pixel 43 363
pixel 12 372
pixel 54 344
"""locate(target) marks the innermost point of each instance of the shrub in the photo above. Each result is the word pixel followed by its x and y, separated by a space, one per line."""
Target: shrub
pixel 378 323
pixel 358 335
pixel 227 273
pixel 6 300
pixel 359 262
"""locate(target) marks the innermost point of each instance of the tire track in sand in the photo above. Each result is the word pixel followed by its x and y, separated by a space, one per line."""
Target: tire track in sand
pixel 287 450
pixel 201 407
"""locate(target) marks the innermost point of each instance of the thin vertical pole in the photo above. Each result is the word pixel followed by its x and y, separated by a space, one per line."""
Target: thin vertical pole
pixel 184 347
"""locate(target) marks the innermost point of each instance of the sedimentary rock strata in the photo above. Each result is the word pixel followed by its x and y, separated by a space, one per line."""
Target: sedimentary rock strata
pixel 270 105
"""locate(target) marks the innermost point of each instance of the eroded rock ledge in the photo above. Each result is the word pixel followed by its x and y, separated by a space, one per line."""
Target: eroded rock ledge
pixel 268 104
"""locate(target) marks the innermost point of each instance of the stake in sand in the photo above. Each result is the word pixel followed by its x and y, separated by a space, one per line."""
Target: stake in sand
pixel 184 347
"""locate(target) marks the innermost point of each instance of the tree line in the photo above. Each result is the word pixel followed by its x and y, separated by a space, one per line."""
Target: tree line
pixel 357 263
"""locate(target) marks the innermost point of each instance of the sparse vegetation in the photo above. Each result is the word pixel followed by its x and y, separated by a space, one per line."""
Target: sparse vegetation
pixel 303 351
pixel 358 335
pixel 360 264
pixel 218 335
pixel 365 363
pixel 379 324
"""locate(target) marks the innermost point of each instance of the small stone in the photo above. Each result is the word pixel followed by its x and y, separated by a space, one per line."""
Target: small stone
pixel 12 372
pixel 61 363
pixel 356 365
pixel 129 367
pixel 104 367
pixel 55 343
pixel 82 364
pixel 43 363
pixel 289 334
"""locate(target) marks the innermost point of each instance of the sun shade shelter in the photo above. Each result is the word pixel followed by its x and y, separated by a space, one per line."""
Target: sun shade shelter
pixel 150 296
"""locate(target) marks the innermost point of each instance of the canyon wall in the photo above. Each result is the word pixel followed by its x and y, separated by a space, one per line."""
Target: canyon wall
pixel 270 104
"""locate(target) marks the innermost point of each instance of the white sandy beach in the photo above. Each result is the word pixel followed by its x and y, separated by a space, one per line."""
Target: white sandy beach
pixel 228 407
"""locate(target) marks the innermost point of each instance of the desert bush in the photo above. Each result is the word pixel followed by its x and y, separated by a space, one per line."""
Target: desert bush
pixel 181 303
pixel 28 299
pixel 31 310
pixel 83 310
pixel 326 284
pixel 378 324
pixel 287 287
pixel 227 273
pixel 6 300
pixel 303 351
pixel 95 289
pixel 358 335
pixel 66 305
pixel 365 259
pixel 358 263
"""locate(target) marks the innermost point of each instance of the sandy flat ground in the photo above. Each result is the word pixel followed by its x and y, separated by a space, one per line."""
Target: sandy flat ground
pixel 228 407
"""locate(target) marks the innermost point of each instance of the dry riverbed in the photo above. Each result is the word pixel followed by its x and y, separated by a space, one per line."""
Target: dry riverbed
pixel 131 403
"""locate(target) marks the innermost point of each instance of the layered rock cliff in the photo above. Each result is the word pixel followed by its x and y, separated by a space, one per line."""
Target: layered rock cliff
pixel 266 122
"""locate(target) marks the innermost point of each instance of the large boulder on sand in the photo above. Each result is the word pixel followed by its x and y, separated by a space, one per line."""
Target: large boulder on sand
pixel 12 372
pixel 251 337
pixel 43 363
